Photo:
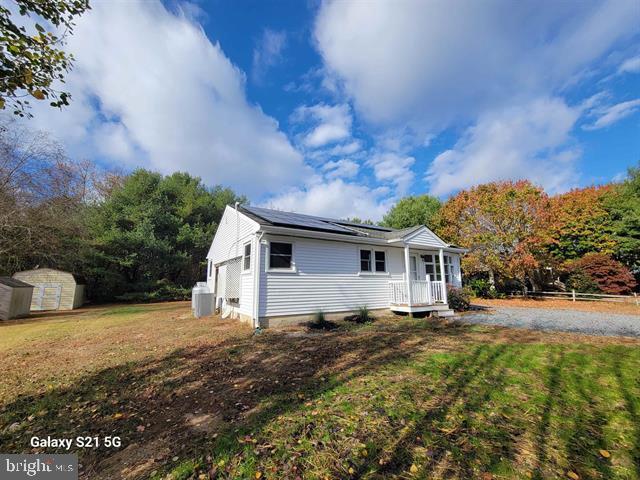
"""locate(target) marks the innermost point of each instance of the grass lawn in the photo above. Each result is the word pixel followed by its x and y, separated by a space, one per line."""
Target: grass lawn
pixel 399 398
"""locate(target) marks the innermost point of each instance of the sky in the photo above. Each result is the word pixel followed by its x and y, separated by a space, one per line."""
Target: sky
pixel 340 108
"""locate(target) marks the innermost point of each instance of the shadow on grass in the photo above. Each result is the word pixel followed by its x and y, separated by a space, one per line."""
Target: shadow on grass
pixel 174 405
pixel 210 399
pixel 467 385
pixel 631 402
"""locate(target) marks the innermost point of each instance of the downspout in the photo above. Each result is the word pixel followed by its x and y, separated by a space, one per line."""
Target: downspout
pixel 237 228
pixel 257 270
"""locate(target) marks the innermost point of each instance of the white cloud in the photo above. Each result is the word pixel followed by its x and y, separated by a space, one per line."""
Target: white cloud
pixel 341 169
pixel 416 68
pixel 630 65
pixel 334 199
pixel 520 142
pixel 613 113
pixel 330 123
pixel 268 53
pixel 432 63
pixel 171 97
pixel 345 149
pixel 393 168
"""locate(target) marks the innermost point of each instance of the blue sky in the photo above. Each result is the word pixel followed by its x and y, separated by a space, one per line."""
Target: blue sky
pixel 341 108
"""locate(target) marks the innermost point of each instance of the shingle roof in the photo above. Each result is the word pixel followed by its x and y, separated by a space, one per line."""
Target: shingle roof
pixel 266 216
pixel 12 282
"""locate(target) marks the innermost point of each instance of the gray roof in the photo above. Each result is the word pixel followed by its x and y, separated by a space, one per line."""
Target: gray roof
pixel 12 282
pixel 266 216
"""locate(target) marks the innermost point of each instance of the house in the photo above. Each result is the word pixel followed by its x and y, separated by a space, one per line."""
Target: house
pixel 273 268
pixel 53 289
pixel 15 298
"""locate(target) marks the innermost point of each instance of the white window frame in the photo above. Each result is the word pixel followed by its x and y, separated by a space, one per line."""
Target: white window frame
pixel 244 256
pixel 448 269
pixel 292 269
pixel 372 252
pixel 413 262
pixel 437 272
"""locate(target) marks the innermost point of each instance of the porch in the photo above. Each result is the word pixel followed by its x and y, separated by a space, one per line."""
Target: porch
pixel 426 275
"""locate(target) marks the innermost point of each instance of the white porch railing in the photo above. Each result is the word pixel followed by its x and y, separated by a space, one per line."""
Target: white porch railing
pixel 423 292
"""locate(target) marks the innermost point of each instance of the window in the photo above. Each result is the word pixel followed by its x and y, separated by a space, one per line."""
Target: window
pixel 246 259
pixel 431 267
pixel 448 268
pixel 413 264
pixel 373 261
pixel 365 260
pixel 280 255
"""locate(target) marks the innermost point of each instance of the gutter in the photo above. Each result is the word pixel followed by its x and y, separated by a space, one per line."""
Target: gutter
pixel 257 270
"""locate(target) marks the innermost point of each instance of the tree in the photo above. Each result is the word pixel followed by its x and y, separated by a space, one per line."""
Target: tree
pixel 152 234
pixel 624 209
pixel 31 58
pixel 42 198
pixel 411 211
pixel 601 271
pixel 581 223
pixel 503 225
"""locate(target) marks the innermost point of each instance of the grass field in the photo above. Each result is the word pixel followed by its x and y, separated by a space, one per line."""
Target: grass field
pixel 399 398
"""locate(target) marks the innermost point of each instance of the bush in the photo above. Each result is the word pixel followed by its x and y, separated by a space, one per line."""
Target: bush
pixel 321 323
pixel 363 316
pixel 480 287
pixel 459 299
pixel 597 270
pixel 581 282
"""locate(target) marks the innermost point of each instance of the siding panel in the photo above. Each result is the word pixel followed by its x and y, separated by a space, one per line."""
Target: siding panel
pixel 426 238
pixel 328 278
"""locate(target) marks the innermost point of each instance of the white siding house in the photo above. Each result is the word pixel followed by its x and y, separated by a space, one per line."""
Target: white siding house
pixel 274 268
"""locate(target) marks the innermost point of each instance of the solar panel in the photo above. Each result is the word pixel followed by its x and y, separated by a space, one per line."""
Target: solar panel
pixel 362 225
pixel 298 219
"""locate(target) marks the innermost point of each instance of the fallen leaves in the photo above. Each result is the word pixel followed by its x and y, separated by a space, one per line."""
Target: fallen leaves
pixel 605 453
pixel 573 475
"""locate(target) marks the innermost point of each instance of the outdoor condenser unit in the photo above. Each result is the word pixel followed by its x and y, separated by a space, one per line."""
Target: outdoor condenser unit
pixel 201 300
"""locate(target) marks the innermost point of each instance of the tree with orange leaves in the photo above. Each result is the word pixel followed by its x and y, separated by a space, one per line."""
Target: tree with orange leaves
pixel 581 223
pixel 502 223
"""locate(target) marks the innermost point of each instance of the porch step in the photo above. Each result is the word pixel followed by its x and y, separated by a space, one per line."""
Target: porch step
pixel 445 313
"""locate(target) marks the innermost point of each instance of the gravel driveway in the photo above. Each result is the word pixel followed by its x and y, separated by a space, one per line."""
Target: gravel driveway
pixel 592 323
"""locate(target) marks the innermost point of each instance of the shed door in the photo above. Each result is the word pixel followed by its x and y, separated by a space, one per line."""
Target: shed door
pixel 46 296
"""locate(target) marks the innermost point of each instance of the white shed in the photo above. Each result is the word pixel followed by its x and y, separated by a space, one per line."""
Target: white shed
pixel 53 289
pixel 15 298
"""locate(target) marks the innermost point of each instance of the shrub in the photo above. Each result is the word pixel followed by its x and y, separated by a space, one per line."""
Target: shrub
pixel 321 323
pixel 581 282
pixel 603 272
pixel 459 299
pixel 480 287
pixel 363 316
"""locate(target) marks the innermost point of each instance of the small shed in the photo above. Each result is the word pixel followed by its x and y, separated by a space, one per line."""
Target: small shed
pixel 15 298
pixel 53 289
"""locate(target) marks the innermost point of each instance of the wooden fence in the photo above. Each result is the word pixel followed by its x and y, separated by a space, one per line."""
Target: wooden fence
pixel 578 296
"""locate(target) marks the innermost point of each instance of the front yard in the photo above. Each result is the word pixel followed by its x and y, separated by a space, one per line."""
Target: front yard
pixel 399 398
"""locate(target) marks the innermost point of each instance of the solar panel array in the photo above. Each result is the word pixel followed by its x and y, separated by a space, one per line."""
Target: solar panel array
pixel 297 219
pixel 362 225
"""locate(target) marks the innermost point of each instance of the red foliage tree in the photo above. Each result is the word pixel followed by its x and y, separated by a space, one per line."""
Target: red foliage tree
pixel 608 274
